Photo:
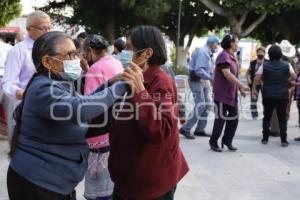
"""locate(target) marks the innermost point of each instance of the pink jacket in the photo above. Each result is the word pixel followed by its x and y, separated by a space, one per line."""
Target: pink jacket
pixel 101 71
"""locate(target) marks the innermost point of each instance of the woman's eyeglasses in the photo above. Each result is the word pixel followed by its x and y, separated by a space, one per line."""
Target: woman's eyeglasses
pixel 71 54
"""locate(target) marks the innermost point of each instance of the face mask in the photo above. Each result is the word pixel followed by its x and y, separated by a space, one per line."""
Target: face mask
pixel 260 57
pixel 72 70
pixel 215 50
pixel 125 57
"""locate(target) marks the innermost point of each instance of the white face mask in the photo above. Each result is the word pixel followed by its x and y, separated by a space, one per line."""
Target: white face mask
pixel 72 69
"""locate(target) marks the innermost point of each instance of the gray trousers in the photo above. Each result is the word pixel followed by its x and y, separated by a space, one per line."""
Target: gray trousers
pixel 203 105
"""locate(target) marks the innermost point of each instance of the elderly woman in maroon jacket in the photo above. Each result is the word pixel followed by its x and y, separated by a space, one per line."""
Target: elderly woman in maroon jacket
pixel 146 162
pixel 226 86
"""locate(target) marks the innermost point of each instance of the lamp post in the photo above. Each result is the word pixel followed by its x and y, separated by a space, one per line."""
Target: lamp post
pixel 178 32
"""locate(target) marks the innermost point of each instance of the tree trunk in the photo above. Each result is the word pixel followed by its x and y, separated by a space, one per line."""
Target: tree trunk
pixel 235 26
pixel 252 26
pixel 109 29
pixel 184 52
pixel 182 56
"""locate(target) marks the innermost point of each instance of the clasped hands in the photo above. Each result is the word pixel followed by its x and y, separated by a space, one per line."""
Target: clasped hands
pixel 133 76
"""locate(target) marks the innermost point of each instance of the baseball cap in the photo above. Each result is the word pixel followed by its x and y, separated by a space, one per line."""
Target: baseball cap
pixel 212 40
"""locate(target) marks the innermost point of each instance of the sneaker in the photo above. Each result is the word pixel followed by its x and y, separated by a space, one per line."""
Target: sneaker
pixel 186 134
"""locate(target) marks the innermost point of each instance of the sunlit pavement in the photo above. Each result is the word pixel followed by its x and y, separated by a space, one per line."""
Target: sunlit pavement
pixel 255 172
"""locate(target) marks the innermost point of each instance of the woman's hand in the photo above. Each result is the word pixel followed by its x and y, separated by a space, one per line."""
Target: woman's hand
pixel 243 89
pixel 20 94
pixel 133 76
pixel 115 79
pixel 84 64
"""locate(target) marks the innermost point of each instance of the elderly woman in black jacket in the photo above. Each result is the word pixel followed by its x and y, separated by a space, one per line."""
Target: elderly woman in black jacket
pixel 275 76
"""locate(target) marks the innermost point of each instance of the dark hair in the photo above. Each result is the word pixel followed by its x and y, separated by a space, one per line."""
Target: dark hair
pixel 227 40
pixel 143 37
pixel 275 52
pixel 82 35
pixel 77 43
pixel 96 42
pixel 44 45
pixel 120 44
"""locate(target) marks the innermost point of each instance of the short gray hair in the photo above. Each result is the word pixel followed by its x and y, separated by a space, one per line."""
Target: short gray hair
pixel 33 16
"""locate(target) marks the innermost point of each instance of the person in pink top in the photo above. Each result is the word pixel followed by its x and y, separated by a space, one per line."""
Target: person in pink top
pixel 103 66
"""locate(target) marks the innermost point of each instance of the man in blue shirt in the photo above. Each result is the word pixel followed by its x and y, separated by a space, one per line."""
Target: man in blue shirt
pixel 201 73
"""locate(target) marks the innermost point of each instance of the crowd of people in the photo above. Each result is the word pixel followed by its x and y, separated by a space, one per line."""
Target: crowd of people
pixel 80 111
pixel 275 77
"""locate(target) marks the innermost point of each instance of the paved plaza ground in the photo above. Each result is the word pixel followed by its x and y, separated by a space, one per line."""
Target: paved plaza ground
pixel 255 172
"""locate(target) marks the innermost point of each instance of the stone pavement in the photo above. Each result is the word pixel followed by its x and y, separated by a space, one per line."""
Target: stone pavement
pixel 255 172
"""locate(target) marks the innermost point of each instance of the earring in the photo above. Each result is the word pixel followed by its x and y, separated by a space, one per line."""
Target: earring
pixel 49 73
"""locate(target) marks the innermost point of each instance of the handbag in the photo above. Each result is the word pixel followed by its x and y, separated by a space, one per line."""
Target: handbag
pixel 193 76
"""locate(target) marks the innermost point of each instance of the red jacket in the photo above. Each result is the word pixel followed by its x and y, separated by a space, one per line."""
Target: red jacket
pixel 145 159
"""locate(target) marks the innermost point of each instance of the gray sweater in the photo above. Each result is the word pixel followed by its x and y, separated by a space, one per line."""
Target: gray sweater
pixel 52 149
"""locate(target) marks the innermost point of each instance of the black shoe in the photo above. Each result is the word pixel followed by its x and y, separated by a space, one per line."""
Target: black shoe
pixel 265 140
pixel 229 146
pixel 201 134
pixel 186 134
pixel 297 139
pixel 215 148
pixel 284 143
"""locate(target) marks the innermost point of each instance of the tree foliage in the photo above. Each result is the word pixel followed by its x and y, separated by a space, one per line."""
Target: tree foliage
pixel 280 26
pixel 244 16
pixel 113 17
pixel 108 17
pixel 9 9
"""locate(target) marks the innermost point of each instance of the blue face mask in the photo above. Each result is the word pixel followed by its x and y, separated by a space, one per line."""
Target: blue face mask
pixel 125 57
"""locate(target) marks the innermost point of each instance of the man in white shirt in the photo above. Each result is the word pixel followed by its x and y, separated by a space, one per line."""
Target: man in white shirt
pixel 19 67
pixel 4 49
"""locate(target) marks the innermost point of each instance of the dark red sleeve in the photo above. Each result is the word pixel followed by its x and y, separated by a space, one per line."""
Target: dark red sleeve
pixel 157 113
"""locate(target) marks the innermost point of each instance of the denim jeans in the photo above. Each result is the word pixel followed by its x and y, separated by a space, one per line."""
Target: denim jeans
pixel 201 109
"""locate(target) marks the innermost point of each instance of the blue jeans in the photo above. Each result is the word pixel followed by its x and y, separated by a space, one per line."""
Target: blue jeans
pixel 201 109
